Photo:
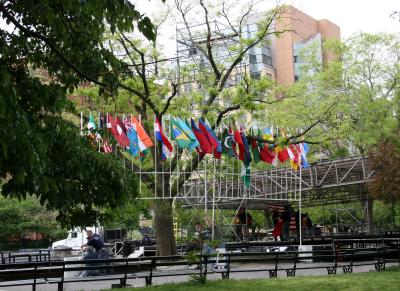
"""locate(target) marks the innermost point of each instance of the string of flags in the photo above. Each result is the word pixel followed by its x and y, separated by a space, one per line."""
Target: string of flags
pixel 257 146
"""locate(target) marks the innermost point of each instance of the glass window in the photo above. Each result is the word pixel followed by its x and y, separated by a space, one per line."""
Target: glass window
pixel 255 75
pixel 74 234
pixel 252 59
pixel 267 60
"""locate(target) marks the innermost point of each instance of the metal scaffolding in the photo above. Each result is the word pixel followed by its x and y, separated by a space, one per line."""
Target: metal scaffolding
pixel 322 183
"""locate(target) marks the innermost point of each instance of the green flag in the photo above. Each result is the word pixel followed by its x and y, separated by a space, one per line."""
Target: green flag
pixel 226 141
pixel 177 134
pixel 246 175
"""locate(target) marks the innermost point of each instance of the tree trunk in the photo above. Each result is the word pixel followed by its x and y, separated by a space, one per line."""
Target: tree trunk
pixel 164 227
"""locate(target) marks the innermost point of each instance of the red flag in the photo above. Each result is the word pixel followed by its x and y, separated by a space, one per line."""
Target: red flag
pixel 211 139
pixel 117 130
pixel 239 141
pixel 205 144
pixel 111 125
pixel 283 155
pixel 107 148
pixel 267 155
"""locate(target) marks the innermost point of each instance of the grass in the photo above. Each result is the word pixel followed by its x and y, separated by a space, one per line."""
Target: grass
pixel 383 281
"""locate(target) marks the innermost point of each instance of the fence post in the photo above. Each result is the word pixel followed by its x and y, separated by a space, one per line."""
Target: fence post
pixel 205 266
pixel 228 268
pixel 123 282
pixel 34 278
pixel 149 279
pixel 61 283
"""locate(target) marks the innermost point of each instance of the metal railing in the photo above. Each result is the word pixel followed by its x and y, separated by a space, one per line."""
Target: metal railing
pixel 225 264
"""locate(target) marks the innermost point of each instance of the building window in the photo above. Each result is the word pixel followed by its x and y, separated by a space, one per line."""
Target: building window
pixel 267 60
pixel 255 75
pixel 252 59
pixel 192 51
pixel 294 59
pixel 296 78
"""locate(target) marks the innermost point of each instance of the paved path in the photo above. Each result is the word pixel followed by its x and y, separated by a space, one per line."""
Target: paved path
pixel 100 285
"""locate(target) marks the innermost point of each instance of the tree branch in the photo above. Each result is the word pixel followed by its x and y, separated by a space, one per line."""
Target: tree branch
pixel 53 47
pixel 173 94
pixel 223 112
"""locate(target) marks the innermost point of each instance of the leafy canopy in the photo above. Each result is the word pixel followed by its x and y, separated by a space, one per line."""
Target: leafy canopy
pixel 41 153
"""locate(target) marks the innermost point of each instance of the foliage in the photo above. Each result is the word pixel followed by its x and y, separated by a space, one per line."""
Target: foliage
pixel 386 182
pixel 25 216
pixel 125 216
pixel 40 153
pixel 356 92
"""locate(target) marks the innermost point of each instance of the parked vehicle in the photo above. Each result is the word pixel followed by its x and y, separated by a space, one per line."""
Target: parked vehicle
pixel 76 238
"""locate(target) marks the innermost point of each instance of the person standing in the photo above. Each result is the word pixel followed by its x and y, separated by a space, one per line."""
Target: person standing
pixel 286 217
pixel 275 217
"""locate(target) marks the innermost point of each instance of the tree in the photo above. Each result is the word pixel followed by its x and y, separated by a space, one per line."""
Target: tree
pixel 385 185
pixel 22 217
pixel 363 83
pixel 139 89
pixel 41 153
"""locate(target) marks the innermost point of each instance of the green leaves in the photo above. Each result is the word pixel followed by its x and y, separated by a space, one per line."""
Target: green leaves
pixel 56 46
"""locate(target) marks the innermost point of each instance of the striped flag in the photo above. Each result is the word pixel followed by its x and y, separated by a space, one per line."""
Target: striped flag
pixel 160 136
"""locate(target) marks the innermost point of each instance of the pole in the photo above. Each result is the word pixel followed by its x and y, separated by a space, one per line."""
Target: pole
pixel 300 220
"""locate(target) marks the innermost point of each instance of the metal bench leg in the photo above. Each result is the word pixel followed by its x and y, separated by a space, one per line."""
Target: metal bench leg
pixel 347 269
pixel 290 272
pixel 331 270
pixel 273 273
pixel 380 266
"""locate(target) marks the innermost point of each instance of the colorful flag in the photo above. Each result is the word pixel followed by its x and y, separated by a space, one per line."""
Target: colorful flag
pixel 117 131
pixel 212 137
pixel 160 136
pixel 205 144
pixel 247 155
pixel 255 151
pixel 283 154
pixel 189 133
pixel 107 148
pixel 227 143
pixel 245 173
pixel 238 139
pixel 233 143
pixel 144 139
pixel 267 155
pixel 133 138
pixel 111 125
pixel 177 134
pixel 294 157
pixel 304 148
pixel 123 139
pixel 91 124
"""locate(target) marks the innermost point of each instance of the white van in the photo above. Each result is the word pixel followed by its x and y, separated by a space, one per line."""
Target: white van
pixel 76 238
